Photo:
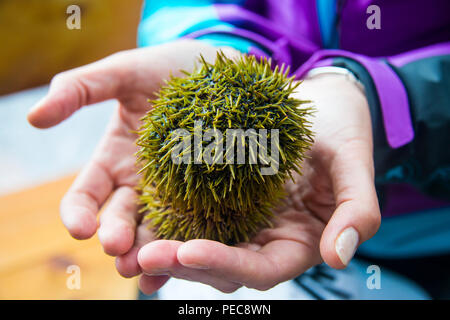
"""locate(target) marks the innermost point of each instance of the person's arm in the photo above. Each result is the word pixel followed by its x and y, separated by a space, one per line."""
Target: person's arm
pixel 425 162
pixel 234 23
pixel 408 94
pixel 166 21
pixel 409 100
pixel 311 226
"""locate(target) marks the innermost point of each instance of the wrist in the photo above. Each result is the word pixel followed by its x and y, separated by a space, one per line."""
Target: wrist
pixel 332 73
pixel 333 85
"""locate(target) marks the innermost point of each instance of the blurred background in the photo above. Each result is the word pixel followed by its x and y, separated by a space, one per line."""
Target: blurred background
pixel 37 167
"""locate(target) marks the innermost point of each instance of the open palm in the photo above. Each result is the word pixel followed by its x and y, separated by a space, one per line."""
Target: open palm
pixel 336 192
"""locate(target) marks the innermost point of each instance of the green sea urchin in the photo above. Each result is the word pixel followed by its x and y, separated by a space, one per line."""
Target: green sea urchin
pixel 194 187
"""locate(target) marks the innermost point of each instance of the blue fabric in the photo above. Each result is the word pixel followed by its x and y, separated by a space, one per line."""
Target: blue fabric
pixel 150 7
pixel 411 235
pixel 165 21
pixel 325 283
pixel 326 12
pixel 220 39
pixel 170 23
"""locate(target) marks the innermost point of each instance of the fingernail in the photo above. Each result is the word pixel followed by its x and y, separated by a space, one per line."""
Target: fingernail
pixel 346 244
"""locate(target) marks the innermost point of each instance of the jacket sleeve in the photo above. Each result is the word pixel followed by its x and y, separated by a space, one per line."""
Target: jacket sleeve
pixel 409 99
pixel 236 23
pixel 207 20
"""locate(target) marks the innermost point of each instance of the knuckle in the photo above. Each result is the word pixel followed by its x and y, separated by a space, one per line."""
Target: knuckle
pixel 59 78
pixel 121 56
pixel 372 221
pixel 375 220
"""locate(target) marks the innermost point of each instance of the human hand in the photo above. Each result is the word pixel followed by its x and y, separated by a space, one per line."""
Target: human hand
pixel 338 179
pixel 131 77
pixel 328 212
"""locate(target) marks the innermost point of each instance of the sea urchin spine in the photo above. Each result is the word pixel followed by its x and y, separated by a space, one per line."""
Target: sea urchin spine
pixel 192 183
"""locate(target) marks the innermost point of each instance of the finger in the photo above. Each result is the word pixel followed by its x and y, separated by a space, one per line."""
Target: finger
pixel 357 214
pixel 160 257
pixel 116 76
pixel 81 203
pixel 149 284
pixel 97 180
pixel 70 90
pixel 127 264
pixel 118 222
pixel 277 261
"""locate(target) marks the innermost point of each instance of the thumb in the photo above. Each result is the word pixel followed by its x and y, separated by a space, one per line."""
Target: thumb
pixel 117 77
pixel 357 215
pixel 73 89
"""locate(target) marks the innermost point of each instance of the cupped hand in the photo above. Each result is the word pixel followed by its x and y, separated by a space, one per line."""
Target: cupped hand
pixel 329 211
pixel 131 77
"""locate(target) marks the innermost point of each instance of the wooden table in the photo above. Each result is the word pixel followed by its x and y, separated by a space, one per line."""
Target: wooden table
pixel 36 252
